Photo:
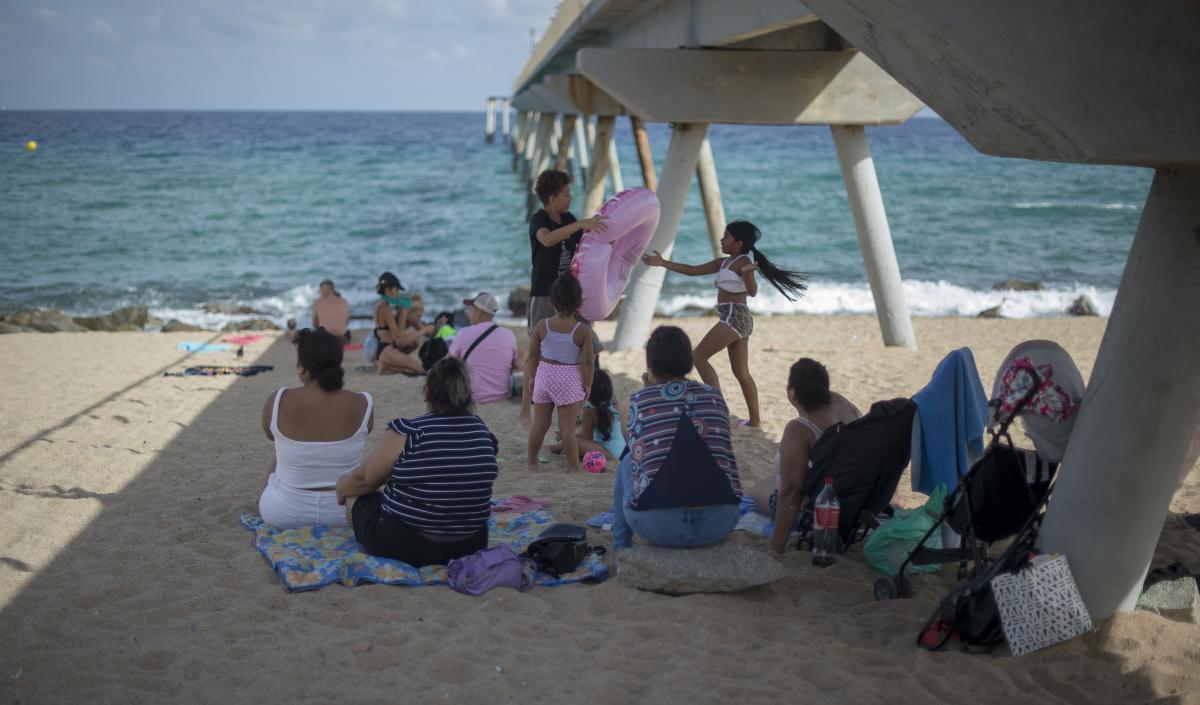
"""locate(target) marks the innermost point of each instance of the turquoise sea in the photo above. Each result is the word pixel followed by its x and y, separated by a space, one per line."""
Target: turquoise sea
pixel 176 210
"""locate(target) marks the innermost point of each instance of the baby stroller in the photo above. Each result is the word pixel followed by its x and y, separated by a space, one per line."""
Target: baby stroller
pixel 1005 490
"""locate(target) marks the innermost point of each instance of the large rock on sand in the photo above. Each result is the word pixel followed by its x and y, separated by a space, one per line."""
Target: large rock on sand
pixel 177 326
pixel 1177 599
pixel 252 324
pixel 726 567
pixel 518 300
pixel 49 320
pixel 10 328
pixel 130 318
pixel 1082 306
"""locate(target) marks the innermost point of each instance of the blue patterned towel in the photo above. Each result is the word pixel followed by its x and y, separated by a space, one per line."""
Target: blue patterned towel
pixel 315 556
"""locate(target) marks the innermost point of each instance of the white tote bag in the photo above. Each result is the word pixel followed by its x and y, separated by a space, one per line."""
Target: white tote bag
pixel 1040 605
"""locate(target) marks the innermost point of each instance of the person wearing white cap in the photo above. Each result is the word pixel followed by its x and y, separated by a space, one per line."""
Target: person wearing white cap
pixel 489 351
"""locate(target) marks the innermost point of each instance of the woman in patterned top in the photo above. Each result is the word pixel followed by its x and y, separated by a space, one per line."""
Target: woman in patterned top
pixel 436 471
pixel 678 483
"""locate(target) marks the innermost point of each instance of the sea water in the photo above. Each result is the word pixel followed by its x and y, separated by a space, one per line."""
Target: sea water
pixel 179 210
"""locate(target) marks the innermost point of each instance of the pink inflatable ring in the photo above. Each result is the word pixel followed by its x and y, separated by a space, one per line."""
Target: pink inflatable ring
pixel 603 260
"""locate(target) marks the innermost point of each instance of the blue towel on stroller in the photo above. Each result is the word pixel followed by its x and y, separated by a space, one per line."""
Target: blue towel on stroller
pixel 952 412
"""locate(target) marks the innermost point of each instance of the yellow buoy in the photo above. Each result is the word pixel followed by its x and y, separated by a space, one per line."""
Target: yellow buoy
pixel 31 146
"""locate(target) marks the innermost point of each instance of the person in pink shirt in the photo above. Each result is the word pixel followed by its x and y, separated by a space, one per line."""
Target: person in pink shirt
pixel 331 312
pixel 489 351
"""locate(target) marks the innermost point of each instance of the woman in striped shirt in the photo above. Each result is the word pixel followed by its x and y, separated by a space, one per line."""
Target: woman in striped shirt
pixel 436 473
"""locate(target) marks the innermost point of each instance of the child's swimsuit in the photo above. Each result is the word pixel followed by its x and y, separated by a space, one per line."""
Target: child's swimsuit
pixel 557 380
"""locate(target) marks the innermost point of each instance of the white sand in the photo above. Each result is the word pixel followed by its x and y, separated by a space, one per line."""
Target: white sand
pixel 125 577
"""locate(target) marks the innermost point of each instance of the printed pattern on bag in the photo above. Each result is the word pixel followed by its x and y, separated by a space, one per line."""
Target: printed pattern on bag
pixel 1040 605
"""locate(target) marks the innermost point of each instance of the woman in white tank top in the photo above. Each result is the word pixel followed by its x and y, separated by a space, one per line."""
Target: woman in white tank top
pixel 319 431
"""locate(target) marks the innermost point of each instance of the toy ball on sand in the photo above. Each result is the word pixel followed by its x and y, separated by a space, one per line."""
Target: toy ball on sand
pixel 593 461
pixel 31 146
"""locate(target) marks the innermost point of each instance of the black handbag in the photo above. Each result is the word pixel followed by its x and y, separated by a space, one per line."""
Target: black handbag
pixel 560 549
pixel 969 612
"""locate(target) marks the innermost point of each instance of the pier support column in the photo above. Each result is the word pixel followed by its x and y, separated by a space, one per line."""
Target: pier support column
pixel 565 137
pixel 520 135
pixel 614 165
pixel 490 129
pixel 645 283
pixel 1139 414
pixel 874 236
pixel 601 146
pixel 541 157
pixel 710 196
pixel 505 108
pixel 581 148
pixel 645 159
pixel 535 128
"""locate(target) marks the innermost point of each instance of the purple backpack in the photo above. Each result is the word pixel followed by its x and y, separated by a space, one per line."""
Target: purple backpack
pixel 492 567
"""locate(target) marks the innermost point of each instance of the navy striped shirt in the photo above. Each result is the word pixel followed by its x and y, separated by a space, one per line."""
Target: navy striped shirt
pixel 442 483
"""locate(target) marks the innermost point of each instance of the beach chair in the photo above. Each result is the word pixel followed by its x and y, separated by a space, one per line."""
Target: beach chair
pixel 1003 494
pixel 865 458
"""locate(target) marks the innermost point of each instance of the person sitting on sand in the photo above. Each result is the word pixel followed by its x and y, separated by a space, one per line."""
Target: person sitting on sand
pixel 331 312
pixel 436 472
pixel 600 422
pixel 489 351
pixel 735 282
pixel 399 332
pixel 817 408
pixel 677 485
pixel 319 431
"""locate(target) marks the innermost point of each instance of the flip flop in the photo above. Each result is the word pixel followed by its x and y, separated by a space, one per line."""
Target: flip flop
pixel 543 459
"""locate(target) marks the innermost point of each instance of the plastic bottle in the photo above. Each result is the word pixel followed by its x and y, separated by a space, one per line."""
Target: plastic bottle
pixel 826 539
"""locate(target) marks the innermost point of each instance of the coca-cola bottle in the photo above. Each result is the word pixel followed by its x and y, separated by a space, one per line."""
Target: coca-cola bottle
pixel 825 539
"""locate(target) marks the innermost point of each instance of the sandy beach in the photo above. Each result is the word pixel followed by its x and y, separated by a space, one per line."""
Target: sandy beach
pixel 125 576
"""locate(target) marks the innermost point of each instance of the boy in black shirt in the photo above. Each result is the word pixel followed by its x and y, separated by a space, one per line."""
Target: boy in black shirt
pixel 554 233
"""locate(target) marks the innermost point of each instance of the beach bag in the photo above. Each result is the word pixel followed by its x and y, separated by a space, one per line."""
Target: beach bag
pixel 490 568
pixel 969 613
pixel 889 545
pixel 1040 605
pixel 560 549
pixel 431 351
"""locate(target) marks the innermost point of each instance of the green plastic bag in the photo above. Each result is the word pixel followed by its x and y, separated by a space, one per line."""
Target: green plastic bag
pixel 891 543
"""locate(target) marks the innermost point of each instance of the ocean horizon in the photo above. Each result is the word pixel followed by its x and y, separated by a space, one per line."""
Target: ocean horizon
pixel 183 210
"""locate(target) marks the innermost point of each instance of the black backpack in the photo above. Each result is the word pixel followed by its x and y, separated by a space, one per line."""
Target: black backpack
pixel 431 351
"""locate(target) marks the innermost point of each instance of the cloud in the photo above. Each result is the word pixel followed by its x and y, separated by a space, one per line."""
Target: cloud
pixel 105 31
pixel 434 56
pixel 460 51
pixel 45 14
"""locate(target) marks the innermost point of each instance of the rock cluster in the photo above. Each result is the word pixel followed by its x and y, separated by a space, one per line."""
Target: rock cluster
pixel 1082 306
pixel 518 300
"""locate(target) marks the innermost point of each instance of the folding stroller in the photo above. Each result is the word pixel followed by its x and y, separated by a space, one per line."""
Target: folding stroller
pixel 1004 492
pixel 865 458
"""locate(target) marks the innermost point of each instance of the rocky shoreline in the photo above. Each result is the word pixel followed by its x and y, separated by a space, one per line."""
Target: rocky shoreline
pixel 128 319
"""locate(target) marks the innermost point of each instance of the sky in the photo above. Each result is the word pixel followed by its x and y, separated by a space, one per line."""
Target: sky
pixel 263 54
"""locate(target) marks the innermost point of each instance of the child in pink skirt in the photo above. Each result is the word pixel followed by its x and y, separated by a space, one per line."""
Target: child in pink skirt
pixel 561 363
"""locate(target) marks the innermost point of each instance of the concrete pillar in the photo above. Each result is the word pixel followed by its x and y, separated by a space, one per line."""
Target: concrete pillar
pixel 874 236
pixel 520 135
pixel 490 129
pixel 565 137
pixel 541 158
pixel 710 196
pixel 601 145
pixel 645 159
pixel 614 166
pixel 581 148
pixel 506 108
pixel 1140 410
pixel 645 283
pixel 535 126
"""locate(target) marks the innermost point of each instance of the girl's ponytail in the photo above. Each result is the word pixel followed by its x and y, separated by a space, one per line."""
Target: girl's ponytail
pixel 789 283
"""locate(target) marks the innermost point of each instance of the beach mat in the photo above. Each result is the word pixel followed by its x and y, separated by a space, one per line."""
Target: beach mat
pixel 312 557
pixel 220 370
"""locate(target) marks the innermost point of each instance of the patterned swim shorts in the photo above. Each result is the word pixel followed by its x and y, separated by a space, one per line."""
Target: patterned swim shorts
pixel 559 385
pixel 737 317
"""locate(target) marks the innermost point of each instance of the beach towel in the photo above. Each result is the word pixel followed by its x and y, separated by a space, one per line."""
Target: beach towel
pixel 243 339
pixel 218 370
pixel 521 503
pixel 203 347
pixel 352 346
pixel 952 411
pixel 312 557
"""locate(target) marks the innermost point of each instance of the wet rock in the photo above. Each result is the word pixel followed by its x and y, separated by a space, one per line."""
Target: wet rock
pixel 993 312
pixel 176 326
pixel 1082 306
pixel 230 309
pixel 251 324
pixel 6 327
pixel 1176 599
pixel 49 320
pixel 725 567
pixel 518 300
pixel 130 318
pixel 1018 285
